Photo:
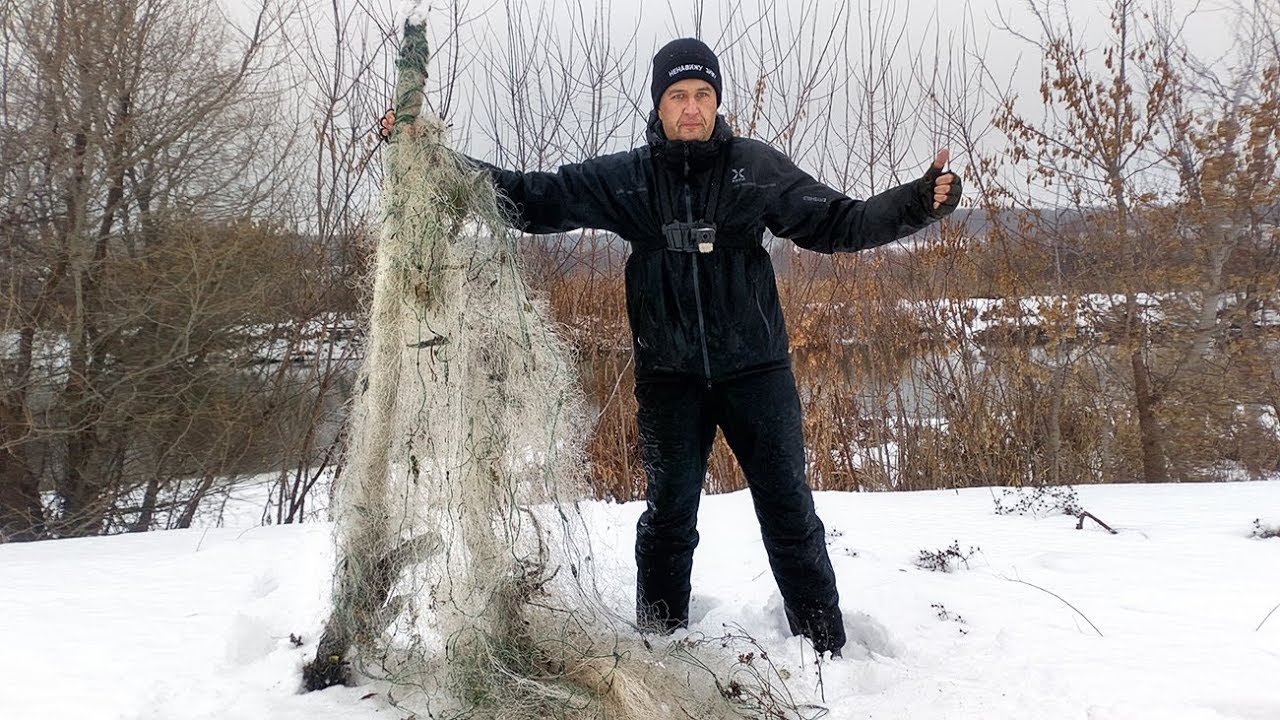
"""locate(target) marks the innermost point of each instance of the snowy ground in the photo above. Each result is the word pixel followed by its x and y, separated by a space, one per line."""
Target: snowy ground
pixel 195 624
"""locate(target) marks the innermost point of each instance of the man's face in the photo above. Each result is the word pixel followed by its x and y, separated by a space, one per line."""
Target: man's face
pixel 688 110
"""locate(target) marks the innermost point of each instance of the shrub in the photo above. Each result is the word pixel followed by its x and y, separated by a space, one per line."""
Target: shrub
pixel 1037 501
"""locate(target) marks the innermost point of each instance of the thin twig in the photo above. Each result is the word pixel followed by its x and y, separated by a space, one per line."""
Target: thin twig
pixel 1268 617
pixel 616 384
pixel 822 686
pixel 1064 602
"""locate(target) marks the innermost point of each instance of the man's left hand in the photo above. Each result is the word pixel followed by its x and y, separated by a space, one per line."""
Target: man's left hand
pixel 386 123
pixel 940 190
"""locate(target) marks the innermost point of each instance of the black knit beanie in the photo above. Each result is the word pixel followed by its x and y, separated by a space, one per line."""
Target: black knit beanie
pixel 682 59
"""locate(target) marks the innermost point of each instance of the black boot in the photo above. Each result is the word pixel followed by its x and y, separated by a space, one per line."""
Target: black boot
pixel 824 630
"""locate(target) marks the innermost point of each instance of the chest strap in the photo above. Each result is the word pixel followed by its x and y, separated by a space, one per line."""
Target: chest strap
pixel 701 235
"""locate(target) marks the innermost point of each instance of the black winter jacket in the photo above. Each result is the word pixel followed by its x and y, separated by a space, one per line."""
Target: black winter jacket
pixel 712 315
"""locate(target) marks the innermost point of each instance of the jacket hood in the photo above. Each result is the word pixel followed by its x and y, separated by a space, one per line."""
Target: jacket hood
pixel 700 154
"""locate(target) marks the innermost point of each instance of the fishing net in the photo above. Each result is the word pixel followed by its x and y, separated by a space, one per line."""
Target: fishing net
pixel 466 579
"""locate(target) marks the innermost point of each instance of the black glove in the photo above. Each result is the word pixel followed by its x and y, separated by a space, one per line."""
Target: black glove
pixel 925 187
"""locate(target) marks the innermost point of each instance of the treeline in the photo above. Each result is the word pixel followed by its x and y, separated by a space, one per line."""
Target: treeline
pixel 189 202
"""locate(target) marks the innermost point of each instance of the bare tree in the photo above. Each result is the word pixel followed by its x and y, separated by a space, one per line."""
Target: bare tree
pixel 118 118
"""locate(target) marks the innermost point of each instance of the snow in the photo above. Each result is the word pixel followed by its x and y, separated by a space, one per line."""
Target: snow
pixel 1086 312
pixel 196 624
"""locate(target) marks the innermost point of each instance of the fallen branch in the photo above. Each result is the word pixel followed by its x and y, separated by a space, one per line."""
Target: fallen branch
pixel 1084 514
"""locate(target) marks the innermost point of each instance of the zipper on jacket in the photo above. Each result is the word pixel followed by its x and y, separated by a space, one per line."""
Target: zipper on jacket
pixel 697 291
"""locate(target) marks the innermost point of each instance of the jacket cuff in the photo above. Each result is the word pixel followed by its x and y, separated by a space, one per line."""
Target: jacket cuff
pixel 914 206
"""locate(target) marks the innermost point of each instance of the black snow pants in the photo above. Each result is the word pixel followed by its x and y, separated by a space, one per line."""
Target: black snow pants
pixel 760 417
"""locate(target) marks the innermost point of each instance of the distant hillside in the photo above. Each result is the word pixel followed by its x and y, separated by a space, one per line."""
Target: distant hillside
pixel 597 251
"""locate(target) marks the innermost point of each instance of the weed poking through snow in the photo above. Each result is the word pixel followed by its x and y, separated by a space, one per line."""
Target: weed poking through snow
pixel 947 616
pixel 1039 501
pixel 945 560
pixel 1264 532
pixel 1046 500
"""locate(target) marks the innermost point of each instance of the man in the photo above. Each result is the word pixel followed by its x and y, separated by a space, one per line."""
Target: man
pixel 707 328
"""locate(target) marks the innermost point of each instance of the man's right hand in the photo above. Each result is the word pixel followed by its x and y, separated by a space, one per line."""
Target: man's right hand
pixel 387 122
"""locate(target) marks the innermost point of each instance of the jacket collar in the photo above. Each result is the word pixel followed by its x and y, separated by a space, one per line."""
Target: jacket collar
pixel 699 154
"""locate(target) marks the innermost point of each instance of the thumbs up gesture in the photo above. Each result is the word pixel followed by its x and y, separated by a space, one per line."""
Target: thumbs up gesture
pixel 940 190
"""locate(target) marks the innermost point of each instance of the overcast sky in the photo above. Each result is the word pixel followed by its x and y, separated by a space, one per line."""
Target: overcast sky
pixel 653 22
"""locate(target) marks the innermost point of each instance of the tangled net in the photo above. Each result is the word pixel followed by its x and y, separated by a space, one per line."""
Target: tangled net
pixel 465 576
